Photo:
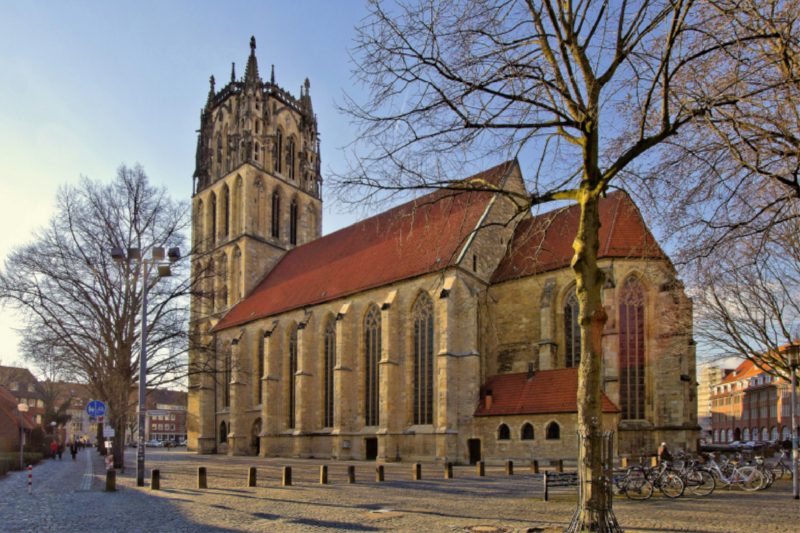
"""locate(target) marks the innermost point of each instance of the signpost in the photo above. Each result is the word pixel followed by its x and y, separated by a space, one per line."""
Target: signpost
pixel 96 408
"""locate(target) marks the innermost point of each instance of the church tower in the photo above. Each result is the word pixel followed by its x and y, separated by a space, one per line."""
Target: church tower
pixel 257 188
pixel 257 194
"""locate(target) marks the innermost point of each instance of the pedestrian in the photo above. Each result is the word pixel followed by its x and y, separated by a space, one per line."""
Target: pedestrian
pixel 60 450
pixel 53 449
pixel 663 453
pixel 73 449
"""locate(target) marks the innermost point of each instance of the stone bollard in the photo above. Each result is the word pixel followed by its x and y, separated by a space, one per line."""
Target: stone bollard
pixel 534 467
pixel 624 462
pixel 251 477
pixel 201 478
pixel 323 475
pixel 448 470
pixel 560 465
pixel 481 467
pixel 155 479
pixel 379 473
pixel 287 476
pixel 351 474
pixel 417 472
pixel 111 480
pixel 509 468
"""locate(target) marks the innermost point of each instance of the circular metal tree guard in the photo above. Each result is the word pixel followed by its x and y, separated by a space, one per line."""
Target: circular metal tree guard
pixel 594 511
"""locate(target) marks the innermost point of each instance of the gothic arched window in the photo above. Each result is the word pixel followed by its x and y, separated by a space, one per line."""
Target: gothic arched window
pixel 290 157
pixel 572 331
pixel 290 414
pixel 226 211
pixel 527 432
pixel 631 350
pixel 553 431
pixel 213 213
pixel 226 376
pixel 222 293
pixel 238 207
pixel 260 368
pixel 422 315
pixel 503 432
pixel 199 225
pixel 276 213
pixel 372 355
pixel 293 222
pixel 277 153
pixel 223 433
pixel 330 362
pixel 236 275
pixel 210 289
pixel 259 207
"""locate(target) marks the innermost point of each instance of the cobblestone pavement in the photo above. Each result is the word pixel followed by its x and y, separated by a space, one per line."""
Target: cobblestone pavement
pixel 68 497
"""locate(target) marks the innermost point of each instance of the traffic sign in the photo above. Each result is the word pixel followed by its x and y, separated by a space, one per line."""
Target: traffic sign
pixel 96 408
pixel 108 432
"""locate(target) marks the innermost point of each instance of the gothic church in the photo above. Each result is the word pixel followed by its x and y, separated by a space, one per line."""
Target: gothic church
pixel 425 333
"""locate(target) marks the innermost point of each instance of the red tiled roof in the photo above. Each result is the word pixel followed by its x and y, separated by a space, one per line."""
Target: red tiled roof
pixel 421 236
pixel 8 405
pixel 549 391
pixel 544 242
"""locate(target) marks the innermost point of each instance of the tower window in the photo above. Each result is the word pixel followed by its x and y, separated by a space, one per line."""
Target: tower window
pixel 276 214
pixel 258 148
pixel 474 263
pixel 277 153
pixel 256 126
pixel 293 222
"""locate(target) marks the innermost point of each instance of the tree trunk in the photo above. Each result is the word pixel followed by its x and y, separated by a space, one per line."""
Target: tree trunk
pixel 593 505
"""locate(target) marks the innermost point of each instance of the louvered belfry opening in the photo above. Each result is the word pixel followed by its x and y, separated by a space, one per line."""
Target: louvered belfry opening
pixel 372 355
pixel 631 350
pixel 422 313
pixel 572 330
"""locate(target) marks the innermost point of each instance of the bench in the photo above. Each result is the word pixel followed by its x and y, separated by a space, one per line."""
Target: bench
pixel 559 480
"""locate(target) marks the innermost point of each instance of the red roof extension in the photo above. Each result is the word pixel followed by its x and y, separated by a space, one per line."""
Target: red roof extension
pixel 419 237
pixel 544 242
pixel 549 391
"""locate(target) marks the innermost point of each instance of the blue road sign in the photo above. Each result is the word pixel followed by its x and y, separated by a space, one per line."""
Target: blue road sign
pixel 96 408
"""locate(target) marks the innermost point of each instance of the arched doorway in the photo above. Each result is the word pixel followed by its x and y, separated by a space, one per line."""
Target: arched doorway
pixel 737 434
pixel 255 440
pixel 474 450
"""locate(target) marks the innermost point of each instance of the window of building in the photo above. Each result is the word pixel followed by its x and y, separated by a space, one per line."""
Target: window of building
pixel 291 379
pixel 422 316
pixel 329 362
pixel 787 433
pixel 277 153
pixel 226 377
pixel 293 222
pixel 527 432
pixel 290 157
pixel 764 434
pixel 553 431
pixel 632 350
pixel 503 433
pixel 172 417
pixel 746 434
pixel 474 263
pixel 372 356
pixel 14 386
pixel 276 214
pixel 260 340
pixel 213 214
pixel 773 433
pixel 223 433
pixel 572 331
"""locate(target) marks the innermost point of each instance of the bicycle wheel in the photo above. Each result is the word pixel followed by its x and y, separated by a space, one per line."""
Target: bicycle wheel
pixel 672 486
pixel 769 478
pixel 701 483
pixel 638 489
pixel 778 471
pixel 750 479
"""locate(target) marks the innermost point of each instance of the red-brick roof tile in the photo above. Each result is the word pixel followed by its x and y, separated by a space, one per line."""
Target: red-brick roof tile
pixel 548 391
pixel 416 238
pixel 544 242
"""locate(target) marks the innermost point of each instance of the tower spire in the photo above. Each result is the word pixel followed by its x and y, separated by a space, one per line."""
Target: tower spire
pixel 233 72
pixel 211 94
pixel 251 71
pixel 272 76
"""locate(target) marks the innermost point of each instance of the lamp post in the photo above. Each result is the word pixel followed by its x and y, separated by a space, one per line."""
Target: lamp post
pixel 22 408
pixel 794 361
pixel 162 267
pixel 53 430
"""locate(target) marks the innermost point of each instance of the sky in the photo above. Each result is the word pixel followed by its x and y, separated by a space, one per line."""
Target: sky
pixel 88 86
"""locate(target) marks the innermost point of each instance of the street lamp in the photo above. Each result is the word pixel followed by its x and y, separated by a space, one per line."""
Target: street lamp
pixel 793 353
pixel 53 430
pixel 163 270
pixel 22 408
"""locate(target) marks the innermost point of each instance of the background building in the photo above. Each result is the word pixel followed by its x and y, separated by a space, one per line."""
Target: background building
pixel 20 382
pixel 709 376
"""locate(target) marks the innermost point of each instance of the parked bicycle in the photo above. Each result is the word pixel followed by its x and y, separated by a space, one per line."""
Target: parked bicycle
pixel 731 473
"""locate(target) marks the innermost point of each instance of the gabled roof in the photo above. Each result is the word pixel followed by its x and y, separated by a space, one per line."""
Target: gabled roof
pixel 8 406
pixel 544 242
pixel 548 391
pixel 416 238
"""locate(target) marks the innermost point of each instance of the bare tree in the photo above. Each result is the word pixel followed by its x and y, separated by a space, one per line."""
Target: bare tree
pixel 591 89
pixel 81 310
pixel 746 297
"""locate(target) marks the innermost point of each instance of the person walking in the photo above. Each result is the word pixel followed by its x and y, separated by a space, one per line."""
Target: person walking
pixel 53 449
pixel 73 449
pixel 60 450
